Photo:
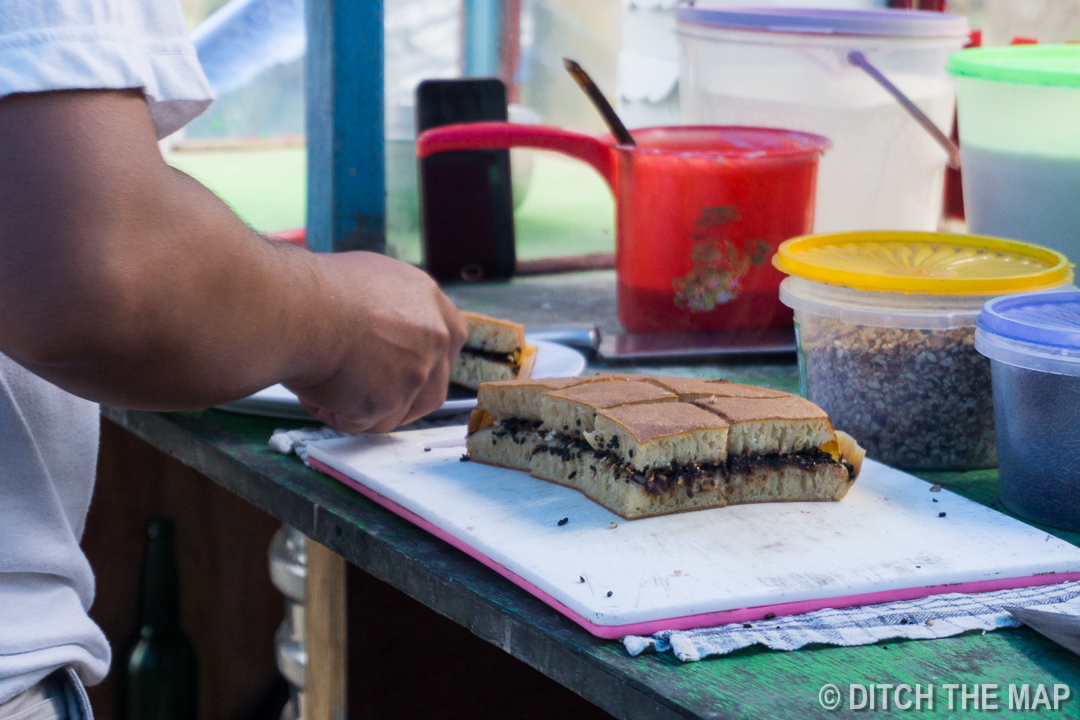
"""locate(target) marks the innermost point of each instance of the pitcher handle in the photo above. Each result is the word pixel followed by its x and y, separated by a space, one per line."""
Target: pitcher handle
pixel 503 135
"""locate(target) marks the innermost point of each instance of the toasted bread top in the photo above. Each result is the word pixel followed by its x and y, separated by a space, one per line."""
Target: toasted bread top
pixel 598 395
pixel 687 388
pixel 649 421
pixel 697 388
pixel 493 334
pixel 737 390
pixel 742 409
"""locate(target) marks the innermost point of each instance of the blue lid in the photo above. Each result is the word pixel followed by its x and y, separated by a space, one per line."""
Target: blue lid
pixel 1050 319
pixel 904 23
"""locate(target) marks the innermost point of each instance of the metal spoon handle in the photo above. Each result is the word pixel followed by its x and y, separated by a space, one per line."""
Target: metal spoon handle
pixel 858 59
pixel 622 135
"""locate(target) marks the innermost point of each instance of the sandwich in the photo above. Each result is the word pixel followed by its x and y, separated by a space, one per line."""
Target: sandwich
pixel 644 446
pixel 494 350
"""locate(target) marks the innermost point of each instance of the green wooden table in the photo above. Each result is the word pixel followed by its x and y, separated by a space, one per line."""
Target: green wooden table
pixel 753 683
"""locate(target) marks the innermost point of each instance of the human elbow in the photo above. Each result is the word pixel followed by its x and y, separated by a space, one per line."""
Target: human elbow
pixel 71 318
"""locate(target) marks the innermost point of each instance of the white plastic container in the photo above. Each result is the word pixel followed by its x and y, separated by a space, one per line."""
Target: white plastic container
pixel 788 68
pixel 1019 112
pixel 886 324
pixel 1033 342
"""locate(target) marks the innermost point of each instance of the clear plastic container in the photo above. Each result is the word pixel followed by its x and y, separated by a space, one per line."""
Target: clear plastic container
pixel 1033 342
pixel 788 68
pixel 1018 113
pixel 886 326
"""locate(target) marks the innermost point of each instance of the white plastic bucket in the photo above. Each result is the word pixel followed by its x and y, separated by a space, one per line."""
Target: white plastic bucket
pixel 788 68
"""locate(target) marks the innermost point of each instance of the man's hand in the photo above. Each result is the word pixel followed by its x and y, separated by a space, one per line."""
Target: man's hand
pixel 127 282
pixel 399 336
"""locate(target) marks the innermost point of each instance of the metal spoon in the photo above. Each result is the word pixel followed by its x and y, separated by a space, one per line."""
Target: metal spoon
pixel 615 125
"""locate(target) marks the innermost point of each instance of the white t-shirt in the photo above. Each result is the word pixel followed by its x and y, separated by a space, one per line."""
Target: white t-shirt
pixel 49 438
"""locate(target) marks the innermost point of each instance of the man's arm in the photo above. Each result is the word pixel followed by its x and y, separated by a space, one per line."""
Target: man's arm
pixel 125 281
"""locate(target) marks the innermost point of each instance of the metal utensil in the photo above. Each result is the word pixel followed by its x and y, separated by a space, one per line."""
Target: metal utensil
pixel 582 338
pixel 615 125
pixel 1062 629
pixel 696 345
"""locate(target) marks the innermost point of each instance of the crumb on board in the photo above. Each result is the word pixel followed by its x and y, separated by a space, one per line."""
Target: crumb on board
pixel 747 625
pixel 613 525
pixel 464 458
pixel 427 449
pixel 941 514
pixel 770 616
pixel 580 579
pixel 935 488
pixel 609 593
pixel 930 621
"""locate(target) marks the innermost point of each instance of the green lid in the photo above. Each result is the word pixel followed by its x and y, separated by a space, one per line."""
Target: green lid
pixel 1022 64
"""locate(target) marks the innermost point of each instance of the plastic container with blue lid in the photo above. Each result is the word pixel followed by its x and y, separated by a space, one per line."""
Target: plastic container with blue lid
pixel 1033 342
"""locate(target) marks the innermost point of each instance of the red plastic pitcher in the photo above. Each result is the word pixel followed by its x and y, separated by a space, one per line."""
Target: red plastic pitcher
pixel 700 211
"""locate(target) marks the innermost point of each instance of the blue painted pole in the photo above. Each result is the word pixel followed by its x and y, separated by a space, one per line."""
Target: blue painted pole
pixel 344 89
pixel 483 25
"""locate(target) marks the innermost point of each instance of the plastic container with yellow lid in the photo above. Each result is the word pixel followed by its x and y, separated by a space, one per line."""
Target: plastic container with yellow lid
pixel 886 325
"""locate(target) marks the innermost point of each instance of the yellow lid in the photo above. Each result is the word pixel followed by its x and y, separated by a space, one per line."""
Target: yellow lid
pixel 923 262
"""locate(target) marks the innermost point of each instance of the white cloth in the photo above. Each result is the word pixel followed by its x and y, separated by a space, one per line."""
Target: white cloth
pixel 104 44
pixel 950 614
pixel 289 442
pixel 48 438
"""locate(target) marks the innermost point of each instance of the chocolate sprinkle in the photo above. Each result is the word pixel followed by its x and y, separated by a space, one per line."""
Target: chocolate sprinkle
pixel 492 356
pixel 941 514
pixel 770 616
pixel 692 478
pixel 563 521
pixel 609 593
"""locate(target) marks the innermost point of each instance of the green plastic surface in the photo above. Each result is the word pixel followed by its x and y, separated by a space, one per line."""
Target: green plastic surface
pixel 1052 65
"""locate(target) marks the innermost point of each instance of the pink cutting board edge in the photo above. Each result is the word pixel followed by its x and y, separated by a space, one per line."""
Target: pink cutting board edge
pixel 689 622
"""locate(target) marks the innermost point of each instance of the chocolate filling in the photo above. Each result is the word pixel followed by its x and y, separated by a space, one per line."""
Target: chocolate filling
pixel 693 477
pixel 508 358
pixel 519 431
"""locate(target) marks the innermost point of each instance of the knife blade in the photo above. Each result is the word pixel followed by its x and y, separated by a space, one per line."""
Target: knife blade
pixel 677 346
pixel 1062 629
pixel 582 338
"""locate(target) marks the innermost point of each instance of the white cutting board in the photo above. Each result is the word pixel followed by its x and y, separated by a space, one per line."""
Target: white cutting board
pixel 884 541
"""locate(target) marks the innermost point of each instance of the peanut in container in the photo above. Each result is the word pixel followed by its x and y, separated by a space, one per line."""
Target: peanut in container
pixel 886 331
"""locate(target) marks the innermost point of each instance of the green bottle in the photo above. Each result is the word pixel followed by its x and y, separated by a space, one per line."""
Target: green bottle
pixel 161 670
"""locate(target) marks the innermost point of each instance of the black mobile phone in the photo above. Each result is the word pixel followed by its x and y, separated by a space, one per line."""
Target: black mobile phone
pixel 466 203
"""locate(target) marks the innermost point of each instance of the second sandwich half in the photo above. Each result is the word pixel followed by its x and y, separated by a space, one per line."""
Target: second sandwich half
pixel 645 445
